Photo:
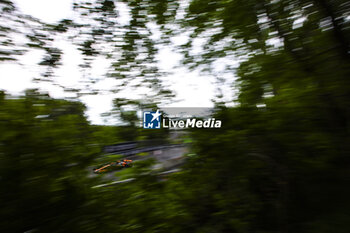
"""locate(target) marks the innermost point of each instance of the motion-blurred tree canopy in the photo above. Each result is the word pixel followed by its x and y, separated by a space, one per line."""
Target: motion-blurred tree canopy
pixel 280 163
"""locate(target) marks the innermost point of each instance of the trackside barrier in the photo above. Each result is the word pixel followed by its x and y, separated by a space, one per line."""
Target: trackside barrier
pixel 132 179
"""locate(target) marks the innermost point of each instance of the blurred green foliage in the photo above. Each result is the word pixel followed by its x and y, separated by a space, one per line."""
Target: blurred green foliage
pixel 280 163
pixel 44 146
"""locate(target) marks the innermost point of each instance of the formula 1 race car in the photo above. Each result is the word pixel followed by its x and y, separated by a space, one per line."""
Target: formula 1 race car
pixel 114 166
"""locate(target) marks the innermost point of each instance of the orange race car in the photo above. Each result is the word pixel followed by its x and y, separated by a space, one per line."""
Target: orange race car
pixel 114 166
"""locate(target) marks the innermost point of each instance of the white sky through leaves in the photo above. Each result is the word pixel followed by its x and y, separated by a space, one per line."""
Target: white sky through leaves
pixel 191 89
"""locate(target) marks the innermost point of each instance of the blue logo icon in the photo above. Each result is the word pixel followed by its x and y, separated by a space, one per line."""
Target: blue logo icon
pixel 151 120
